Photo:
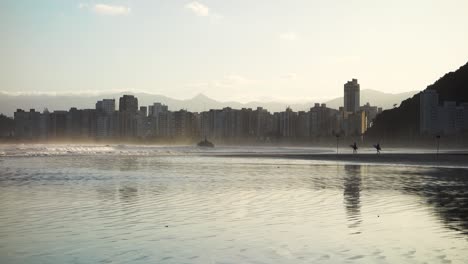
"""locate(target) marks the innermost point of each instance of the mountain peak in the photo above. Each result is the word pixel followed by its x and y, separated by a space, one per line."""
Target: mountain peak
pixel 200 102
pixel 201 96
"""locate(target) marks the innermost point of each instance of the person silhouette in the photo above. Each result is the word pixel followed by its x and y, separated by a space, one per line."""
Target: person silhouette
pixel 378 148
pixel 354 147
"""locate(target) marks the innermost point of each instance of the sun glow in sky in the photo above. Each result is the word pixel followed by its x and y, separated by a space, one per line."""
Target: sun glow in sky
pixel 230 50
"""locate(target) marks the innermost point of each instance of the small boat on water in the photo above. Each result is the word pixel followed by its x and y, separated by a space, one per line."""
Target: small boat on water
pixel 205 143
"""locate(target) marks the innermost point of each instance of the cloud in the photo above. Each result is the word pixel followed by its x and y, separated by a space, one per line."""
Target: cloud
pixel 107 10
pixel 111 10
pixel 290 36
pixel 202 10
pixel 198 9
pixel 83 5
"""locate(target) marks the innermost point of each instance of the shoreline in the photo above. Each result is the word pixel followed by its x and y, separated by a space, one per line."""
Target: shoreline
pixel 416 157
pixel 325 143
pixel 459 159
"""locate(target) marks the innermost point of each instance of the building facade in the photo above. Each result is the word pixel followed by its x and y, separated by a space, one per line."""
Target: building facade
pixel 352 96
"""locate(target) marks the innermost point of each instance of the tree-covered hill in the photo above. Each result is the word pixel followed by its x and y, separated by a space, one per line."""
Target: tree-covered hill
pixel 403 122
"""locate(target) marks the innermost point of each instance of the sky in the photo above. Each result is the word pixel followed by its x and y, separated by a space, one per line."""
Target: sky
pixel 243 50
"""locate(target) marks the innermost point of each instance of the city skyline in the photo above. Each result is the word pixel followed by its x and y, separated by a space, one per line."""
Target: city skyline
pixel 134 121
pixel 9 103
pixel 156 122
pixel 241 51
pixel 208 131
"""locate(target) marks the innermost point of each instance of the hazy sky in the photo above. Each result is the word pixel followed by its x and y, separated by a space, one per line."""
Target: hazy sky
pixel 229 50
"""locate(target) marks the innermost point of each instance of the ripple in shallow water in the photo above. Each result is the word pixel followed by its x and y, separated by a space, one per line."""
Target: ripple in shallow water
pixel 198 209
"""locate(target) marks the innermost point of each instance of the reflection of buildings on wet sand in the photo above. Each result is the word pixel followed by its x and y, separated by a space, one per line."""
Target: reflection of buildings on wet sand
pixel 128 164
pixel 352 197
pixel 446 190
pixel 128 193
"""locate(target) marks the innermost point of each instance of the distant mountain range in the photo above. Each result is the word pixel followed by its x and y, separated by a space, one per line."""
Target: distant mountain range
pixel 9 103
pixel 402 123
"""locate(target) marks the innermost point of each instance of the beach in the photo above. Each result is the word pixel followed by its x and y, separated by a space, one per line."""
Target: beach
pixel 458 159
pixel 163 204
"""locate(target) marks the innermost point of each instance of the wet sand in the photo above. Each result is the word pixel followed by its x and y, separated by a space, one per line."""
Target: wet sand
pixel 427 159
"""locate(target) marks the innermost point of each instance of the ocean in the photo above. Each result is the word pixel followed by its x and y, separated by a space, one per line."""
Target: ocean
pixel 183 204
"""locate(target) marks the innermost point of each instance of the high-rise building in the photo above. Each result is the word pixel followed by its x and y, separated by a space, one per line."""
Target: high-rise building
pixel 27 123
pixel 143 111
pixel 287 123
pixel 246 123
pixel 356 124
pixel 462 118
pixel 447 117
pixel 183 123
pixel 128 111
pixel 154 112
pixel 303 124
pixel 351 96
pixel 88 123
pixel 106 106
pixel 157 108
pixel 322 120
pixel 104 110
pixel 371 113
pixel 128 103
pixel 428 112
pixel 444 118
pixel 58 124
pixel 73 125
pixel 263 123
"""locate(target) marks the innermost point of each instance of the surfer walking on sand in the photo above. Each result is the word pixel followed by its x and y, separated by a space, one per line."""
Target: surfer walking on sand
pixel 378 148
pixel 354 147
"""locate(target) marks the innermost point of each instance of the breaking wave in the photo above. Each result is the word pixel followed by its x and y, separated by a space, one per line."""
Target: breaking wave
pixel 40 150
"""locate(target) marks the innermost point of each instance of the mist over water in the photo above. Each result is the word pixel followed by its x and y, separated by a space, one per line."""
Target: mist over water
pixel 141 204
